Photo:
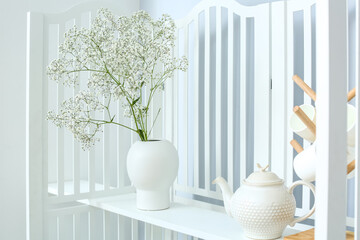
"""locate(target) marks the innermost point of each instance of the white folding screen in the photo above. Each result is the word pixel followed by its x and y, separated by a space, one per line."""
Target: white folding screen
pixel 59 172
pixel 223 101
pixel 227 113
pixel 293 38
pixel 256 91
pixel 75 174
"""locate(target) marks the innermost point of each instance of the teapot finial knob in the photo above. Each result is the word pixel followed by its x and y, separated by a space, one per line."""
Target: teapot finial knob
pixel 262 169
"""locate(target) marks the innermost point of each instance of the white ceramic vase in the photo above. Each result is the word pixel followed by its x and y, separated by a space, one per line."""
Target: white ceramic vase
pixel 152 167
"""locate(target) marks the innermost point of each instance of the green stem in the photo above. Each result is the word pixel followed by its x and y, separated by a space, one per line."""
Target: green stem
pixel 110 122
pixel 154 121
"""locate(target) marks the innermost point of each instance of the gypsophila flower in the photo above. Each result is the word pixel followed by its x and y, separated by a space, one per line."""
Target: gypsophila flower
pixel 123 56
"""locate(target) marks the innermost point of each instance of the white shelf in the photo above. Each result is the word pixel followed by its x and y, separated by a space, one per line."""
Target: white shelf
pixel 69 187
pixel 190 220
pixel 194 221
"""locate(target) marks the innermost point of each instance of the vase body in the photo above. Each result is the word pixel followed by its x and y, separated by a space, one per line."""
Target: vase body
pixel 152 168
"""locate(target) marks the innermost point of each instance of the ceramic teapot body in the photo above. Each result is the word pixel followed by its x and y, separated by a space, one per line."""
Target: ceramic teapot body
pixel 263 205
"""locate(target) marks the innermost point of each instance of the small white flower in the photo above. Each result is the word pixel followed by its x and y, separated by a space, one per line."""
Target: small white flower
pixel 122 55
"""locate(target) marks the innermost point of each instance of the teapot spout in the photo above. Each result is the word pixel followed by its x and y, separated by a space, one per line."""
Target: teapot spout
pixel 226 191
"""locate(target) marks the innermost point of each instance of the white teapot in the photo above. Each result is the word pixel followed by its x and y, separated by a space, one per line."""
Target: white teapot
pixel 263 205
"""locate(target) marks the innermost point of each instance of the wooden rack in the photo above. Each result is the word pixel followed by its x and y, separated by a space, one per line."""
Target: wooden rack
pixel 307 121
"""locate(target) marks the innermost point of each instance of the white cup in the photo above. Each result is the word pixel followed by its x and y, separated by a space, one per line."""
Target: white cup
pixel 298 127
pixel 305 163
pixel 351 122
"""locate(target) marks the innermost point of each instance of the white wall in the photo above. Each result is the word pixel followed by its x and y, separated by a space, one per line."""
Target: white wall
pixel 12 107
pixel 12 120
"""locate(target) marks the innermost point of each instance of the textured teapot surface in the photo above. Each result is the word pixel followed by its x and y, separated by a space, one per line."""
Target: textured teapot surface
pixel 263 205
pixel 263 212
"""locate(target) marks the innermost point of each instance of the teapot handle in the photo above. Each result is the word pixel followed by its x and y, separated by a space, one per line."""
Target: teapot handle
pixel 312 188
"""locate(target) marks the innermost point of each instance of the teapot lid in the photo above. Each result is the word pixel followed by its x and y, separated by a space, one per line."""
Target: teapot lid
pixel 263 177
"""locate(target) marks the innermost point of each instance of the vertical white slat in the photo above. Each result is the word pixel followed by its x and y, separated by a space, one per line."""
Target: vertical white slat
pixel 156 233
pixel 106 150
pixel 307 56
pixel 92 228
pixel 176 93
pixel 357 143
pixel 91 169
pixel 218 92
pixel 134 229
pixel 147 231
pixel 261 87
pixel 168 234
pixel 52 228
pixel 207 99
pixel 175 102
pixel 65 227
pixel 51 43
pixel 34 135
pixel 150 117
pixel 76 159
pixel 104 223
pixel 60 131
pixel 243 97
pixel 230 102
pixel 279 89
pixel 76 145
pixel 93 14
pixel 121 227
pixel 290 91
pixel 57 228
pixel 186 98
pixel 124 141
pixel 157 120
pixel 120 163
pixel 91 152
pixel 108 229
pixel 169 115
pixel 68 136
pixel 76 226
pixel 196 102
pixel 134 136
pixel 331 18
pixel 308 81
pixel 168 109
pixel 45 126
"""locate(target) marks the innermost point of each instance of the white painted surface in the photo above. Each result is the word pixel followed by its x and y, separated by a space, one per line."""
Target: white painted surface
pixel 217 95
pixel 217 169
pixel 357 132
pixel 12 127
pixel 34 151
pixel 12 102
pixel 193 221
pixel 331 120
